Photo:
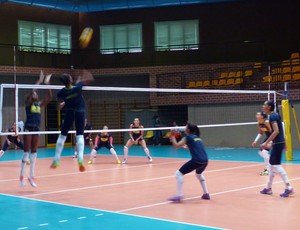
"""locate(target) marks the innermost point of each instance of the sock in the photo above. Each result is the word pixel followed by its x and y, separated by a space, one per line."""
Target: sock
pixel 284 176
pixel 125 153
pixel 147 151
pixel 24 160
pixel 202 181
pixel 271 176
pixel 59 146
pixel 93 153
pixel 32 164
pixel 113 152
pixel 80 146
pixel 265 155
pixel 179 179
pixel 75 153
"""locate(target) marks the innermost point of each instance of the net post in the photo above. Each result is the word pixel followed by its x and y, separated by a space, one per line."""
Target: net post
pixel 287 124
pixel 1 106
pixel 16 106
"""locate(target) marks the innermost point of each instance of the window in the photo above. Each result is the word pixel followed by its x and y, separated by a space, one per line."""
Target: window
pixel 176 35
pixel 42 37
pixel 125 38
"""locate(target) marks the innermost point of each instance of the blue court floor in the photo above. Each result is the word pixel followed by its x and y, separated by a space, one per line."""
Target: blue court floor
pixel 23 213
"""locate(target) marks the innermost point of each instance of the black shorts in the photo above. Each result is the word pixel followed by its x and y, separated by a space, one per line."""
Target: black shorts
pixel 70 117
pixel 103 144
pixel 276 153
pixel 193 165
pixel 31 129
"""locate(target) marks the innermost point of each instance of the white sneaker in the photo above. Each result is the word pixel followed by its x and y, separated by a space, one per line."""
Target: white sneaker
pixel 1 153
pixel 22 182
pixel 124 161
pixel 32 183
pixel 150 158
pixel 75 155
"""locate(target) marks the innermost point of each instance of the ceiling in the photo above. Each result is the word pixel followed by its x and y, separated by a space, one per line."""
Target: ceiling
pixel 106 5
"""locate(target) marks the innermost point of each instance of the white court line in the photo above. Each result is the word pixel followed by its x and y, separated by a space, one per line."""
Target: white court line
pixel 45 224
pixel 198 197
pixel 98 170
pixel 63 221
pixel 133 181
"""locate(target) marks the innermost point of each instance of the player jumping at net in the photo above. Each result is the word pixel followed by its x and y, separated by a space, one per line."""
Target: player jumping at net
pixel 32 123
pixel 71 98
pixel 263 127
pixel 136 137
pixel 277 137
pixel 12 139
pixel 198 162
pixel 103 139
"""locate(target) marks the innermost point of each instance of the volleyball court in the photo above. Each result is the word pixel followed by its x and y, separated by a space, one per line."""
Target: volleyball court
pixel 136 193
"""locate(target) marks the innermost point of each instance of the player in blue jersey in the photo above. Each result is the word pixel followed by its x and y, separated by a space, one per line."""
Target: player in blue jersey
pixel 33 120
pixel 198 161
pixel 136 137
pixel 103 139
pixel 11 139
pixel 72 99
pixel 278 145
pixel 264 127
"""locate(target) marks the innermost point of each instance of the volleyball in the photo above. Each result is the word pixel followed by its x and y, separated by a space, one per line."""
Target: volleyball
pixel 85 37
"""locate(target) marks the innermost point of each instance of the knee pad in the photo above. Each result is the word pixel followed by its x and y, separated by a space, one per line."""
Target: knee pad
pixel 179 176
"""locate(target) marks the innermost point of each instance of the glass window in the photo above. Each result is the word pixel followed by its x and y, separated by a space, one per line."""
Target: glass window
pixel 125 38
pixel 42 37
pixel 176 35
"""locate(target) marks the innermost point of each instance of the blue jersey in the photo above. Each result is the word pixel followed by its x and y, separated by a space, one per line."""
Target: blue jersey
pixel 196 147
pixel 72 97
pixel 33 115
pixel 275 117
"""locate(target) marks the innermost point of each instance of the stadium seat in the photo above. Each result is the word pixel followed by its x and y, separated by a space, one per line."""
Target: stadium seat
pixel 248 73
pixel 192 84
pixel 215 82
pixel 267 79
pixel 285 62
pixel 222 82
pixel 149 136
pixel 199 84
pixel 295 55
pixel 257 65
pixel 238 81
pixel 296 77
pixel 224 75
pixel 206 83
pixel 286 69
pixel 239 74
pixel 295 61
pixel 287 77
pixel 296 69
pixel 232 74
pixel 230 81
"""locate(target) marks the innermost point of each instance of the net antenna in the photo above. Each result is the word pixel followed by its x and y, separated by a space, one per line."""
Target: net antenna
pixel 127 89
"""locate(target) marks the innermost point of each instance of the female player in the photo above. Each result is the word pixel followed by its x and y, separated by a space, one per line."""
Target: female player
pixel 198 162
pixel 32 123
pixel 71 98
pixel 12 139
pixel 278 145
pixel 136 137
pixel 263 127
pixel 103 139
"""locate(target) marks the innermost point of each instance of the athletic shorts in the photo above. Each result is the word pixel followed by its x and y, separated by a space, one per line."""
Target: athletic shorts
pixel 70 117
pixel 103 144
pixel 193 165
pixel 276 153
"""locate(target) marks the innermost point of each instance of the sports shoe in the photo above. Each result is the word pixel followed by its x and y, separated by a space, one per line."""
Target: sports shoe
pixel 175 199
pixel 54 164
pixel 22 182
pixel 205 196
pixel 118 161
pixel 28 162
pixel 264 173
pixel 124 161
pixel 31 181
pixel 267 191
pixel 149 158
pixel 81 166
pixel 75 155
pixel 287 192
pixel 1 153
pixel 90 162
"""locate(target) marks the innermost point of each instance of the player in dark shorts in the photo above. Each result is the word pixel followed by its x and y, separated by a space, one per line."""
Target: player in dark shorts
pixel 198 162
pixel 103 139
pixel 71 98
pixel 12 139
pixel 136 137
pixel 32 123
pixel 278 145
pixel 87 138
pixel 264 127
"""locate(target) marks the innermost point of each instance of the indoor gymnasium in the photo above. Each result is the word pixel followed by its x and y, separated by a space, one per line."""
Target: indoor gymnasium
pixel 149 114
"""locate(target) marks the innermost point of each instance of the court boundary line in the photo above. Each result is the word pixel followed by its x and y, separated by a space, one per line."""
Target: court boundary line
pixel 103 210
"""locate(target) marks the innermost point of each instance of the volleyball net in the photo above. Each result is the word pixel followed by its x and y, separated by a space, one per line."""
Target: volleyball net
pixel 225 117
